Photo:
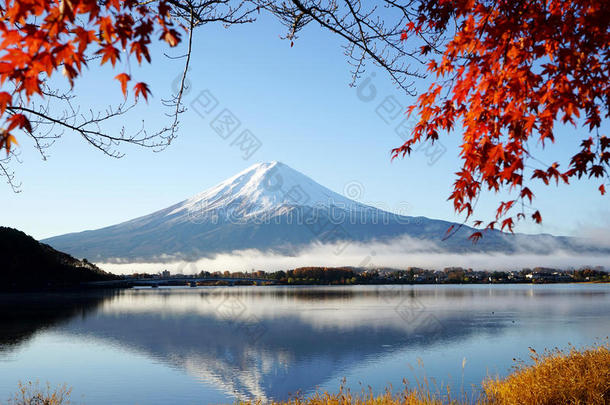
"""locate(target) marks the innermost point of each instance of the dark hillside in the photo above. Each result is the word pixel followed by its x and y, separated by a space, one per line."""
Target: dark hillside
pixel 27 264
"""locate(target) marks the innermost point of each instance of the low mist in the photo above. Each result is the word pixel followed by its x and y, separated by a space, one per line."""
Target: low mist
pixel 399 253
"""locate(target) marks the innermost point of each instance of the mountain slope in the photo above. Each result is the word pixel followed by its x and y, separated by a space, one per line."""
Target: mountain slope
pixel 272 207
pixel 27 264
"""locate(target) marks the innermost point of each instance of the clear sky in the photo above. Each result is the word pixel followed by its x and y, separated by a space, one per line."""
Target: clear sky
pixel 297 101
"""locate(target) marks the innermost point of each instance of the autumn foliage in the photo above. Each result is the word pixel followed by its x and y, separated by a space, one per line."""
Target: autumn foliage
pixel 510 74
pixel 42 37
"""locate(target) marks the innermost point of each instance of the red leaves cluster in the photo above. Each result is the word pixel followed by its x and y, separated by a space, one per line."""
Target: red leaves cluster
pixel 40 37
pixel 513 69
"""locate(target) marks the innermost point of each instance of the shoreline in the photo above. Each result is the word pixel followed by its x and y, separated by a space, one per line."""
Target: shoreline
pixel 148 284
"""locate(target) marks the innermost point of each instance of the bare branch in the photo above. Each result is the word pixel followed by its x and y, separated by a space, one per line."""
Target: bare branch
pixel 7 173
pixel 372 32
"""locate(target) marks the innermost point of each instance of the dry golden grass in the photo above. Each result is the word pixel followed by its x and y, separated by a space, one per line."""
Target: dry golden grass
pixel 344 397
pixel 32 394
pixel 556 377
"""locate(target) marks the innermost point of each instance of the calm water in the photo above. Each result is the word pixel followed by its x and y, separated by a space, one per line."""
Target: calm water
pixel 216 345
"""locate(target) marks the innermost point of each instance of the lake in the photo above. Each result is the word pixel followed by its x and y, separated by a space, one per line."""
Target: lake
pixel 220 344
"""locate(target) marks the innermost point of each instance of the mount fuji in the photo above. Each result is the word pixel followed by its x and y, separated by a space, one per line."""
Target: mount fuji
pixel 274 208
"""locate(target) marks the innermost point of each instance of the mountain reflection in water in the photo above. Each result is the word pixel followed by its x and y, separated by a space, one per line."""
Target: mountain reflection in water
pixel 270 342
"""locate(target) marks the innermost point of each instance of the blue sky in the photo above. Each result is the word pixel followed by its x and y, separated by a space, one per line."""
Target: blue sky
pixel 298 102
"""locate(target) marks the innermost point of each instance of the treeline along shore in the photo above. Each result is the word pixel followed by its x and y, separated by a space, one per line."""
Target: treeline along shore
pixel 354 275
pixel 26 264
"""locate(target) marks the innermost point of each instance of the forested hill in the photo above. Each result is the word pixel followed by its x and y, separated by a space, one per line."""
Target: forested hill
pixel 28 264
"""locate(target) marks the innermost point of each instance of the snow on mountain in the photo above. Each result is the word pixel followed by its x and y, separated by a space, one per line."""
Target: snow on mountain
pixel 272 207
pixel 265 188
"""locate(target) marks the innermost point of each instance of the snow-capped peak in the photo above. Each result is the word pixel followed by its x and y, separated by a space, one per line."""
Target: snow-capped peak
pixel 268 186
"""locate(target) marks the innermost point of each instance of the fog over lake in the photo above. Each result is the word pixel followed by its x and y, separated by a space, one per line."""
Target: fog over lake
pixel 220 344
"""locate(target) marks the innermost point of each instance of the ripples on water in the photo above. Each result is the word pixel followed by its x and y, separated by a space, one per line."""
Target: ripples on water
pixel 211 345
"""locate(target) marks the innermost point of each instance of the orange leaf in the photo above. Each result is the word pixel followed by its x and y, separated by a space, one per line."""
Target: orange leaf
pixel 19 121
pixel 172 37
pixel 123 78
pixel 5 101
pixel 109 53
pixel 537 217
pixel 141 88
pixel 508 222
pixel 6 139
pixel 475 237
pixel 527 193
